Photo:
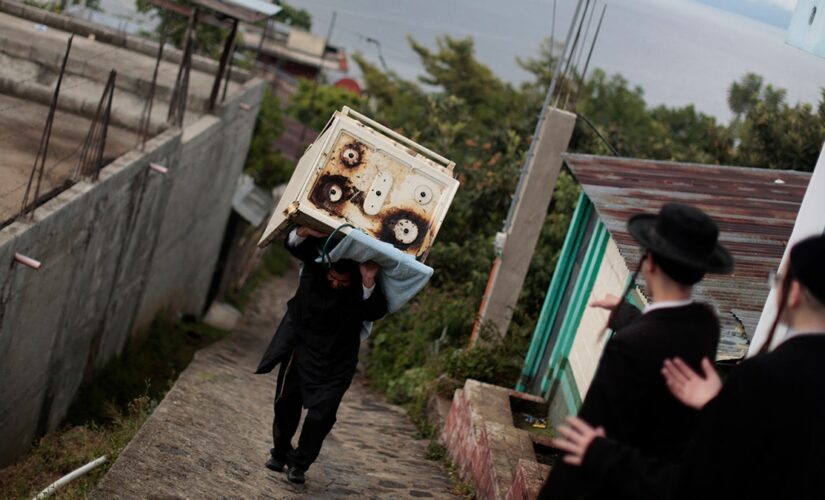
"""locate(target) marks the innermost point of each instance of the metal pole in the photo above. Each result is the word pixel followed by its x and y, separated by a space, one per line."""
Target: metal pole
pixel 216 86
pixel 573 48
pixel 542 115
pixel 380 54
pixel 576 64
pixel 174 102
pixel 552 34
pixel 146 116
pixel 104 127
pixel 228 71
pixel 47 132
pixel 261 42
pixel 589 55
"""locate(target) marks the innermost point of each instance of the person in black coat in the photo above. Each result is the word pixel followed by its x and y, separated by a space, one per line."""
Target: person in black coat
pixel 627 396
pixel 316 346
pixel 762 434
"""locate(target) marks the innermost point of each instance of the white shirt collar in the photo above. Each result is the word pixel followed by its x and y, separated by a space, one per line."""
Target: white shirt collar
pixel 667 304
pixel 796 333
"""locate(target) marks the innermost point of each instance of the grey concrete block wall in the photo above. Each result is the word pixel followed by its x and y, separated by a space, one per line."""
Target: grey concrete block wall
pixel 114 254
pixel 213 154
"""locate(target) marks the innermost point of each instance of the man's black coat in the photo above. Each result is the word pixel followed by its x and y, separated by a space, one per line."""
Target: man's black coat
pixel 628 395
pixel 320 333
pixel 763 436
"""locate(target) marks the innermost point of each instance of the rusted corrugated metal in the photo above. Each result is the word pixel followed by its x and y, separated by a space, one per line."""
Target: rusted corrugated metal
pixel 755 210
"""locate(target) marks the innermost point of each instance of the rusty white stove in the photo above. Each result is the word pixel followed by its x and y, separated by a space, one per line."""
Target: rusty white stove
pixel 362 173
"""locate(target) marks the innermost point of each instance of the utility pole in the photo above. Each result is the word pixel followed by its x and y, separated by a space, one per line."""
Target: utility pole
pixel 529 209
pixel 517 240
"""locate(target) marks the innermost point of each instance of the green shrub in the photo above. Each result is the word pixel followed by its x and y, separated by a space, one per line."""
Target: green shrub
pixel 264 163
pixel 410 386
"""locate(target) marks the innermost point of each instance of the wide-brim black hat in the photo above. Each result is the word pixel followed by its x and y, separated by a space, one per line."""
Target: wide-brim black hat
pixel 682 234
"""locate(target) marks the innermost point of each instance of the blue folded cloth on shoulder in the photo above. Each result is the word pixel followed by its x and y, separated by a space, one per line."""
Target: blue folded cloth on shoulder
pixel 402 277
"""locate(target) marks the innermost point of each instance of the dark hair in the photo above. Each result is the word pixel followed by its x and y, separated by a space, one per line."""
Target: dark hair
pixel 786 288
pixel 678 272
pixel 345 266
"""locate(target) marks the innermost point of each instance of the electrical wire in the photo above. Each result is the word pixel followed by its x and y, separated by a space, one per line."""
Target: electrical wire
pixel 324 252
pixel 599 134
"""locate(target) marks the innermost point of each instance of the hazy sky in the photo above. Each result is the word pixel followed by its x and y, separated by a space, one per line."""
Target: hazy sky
pixel 773 12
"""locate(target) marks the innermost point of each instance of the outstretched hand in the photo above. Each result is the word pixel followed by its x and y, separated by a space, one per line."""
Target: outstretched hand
pixel 688 386
pixel 608 302
pixel 576 438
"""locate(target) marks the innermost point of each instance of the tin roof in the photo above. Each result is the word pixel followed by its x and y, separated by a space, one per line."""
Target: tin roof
pixel 251 202
pixel 246 10
pixel 754 208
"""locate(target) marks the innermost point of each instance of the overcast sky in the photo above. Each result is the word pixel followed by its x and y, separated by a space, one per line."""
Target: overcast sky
pixel 774 12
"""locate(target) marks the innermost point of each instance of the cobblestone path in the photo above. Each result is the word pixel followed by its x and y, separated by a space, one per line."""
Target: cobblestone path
pixel 210 435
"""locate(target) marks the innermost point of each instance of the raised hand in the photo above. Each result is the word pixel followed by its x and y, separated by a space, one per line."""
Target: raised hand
pixel 608 302
pixel 688 386
pixel 304 231
pixel 576 438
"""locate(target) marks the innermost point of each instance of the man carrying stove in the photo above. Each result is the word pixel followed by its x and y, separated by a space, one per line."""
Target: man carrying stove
pixel 316 346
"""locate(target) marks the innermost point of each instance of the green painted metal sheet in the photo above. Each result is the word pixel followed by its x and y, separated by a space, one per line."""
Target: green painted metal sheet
pixel 572 317
pixel 558 283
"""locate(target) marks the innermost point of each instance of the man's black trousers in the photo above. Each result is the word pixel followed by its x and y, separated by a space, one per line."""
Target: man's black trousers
pixel 318 422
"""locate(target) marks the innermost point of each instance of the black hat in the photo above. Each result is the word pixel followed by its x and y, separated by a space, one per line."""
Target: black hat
pixel 682 234
pixel 808 265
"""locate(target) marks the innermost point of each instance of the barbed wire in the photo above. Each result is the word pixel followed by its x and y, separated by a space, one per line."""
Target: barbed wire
pixel 48 170
pixel 51 168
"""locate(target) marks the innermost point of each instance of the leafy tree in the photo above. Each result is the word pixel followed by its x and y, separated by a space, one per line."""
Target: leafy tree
pixel 454 69
pixel 209 40
pixel 769 132
pixel 295 17
pixel 313 104
pixel 265 164
pixel 744 94
pixel 688 135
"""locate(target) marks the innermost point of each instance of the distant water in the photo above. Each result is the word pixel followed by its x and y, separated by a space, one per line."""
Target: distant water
pixel 679 51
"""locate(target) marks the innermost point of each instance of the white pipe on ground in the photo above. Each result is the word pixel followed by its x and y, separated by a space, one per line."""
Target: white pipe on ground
pixel 63 481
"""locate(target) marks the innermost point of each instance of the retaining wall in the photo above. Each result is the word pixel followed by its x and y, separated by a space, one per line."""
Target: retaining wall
pixel 114 254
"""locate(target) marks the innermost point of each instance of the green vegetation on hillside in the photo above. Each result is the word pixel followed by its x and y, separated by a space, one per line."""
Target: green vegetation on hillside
pixel 484 124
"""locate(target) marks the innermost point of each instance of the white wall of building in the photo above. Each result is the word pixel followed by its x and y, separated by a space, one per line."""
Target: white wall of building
pixel 809 222
pixel 587 346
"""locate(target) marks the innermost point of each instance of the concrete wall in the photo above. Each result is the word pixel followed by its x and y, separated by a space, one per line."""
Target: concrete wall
pixel 213 154
pixel 114 253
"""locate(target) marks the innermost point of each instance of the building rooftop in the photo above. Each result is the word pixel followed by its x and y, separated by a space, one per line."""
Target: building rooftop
pixel 754 208
pixel 297 46
pixel 32 46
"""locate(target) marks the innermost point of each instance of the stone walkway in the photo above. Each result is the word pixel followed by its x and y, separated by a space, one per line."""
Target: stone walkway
pixel 210 435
